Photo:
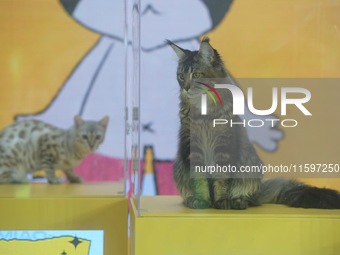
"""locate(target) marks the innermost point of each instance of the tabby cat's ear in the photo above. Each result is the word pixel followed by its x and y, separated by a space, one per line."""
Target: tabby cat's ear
pixel 78 121
pixel 104 121
pixel 178 50
pixel 206 51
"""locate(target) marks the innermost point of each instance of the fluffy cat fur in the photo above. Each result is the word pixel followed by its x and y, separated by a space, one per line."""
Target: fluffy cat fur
pixel 201 144
pixel 32 145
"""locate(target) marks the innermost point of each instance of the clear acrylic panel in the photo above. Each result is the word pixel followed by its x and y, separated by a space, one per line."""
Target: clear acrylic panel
pixel 133 94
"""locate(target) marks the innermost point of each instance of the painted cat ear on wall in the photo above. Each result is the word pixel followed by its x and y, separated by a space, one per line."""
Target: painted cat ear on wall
pixel 78 121
pixel 217 9
pixel 206 51
pixel 69 5
pixel 104 121
pixel 178 50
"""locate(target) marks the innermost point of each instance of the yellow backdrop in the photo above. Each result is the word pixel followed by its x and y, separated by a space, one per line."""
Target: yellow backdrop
pixel 41 44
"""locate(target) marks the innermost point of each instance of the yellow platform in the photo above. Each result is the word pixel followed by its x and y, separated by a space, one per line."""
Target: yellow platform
pixel 167 227
pixel 99 206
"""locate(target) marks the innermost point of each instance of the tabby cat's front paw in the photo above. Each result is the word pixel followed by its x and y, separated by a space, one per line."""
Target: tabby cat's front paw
pixel 55 180
pixel 75 179
pixel 234 204
pixel 195 203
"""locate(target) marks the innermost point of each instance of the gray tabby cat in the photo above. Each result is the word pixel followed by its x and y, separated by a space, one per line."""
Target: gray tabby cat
pixel 31 145
pixel 202 144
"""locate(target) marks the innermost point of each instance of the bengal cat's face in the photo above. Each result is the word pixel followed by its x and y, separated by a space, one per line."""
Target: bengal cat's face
pixel 90 134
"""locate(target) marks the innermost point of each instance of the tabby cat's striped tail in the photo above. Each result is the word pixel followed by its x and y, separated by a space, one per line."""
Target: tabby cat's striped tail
pixel 297 194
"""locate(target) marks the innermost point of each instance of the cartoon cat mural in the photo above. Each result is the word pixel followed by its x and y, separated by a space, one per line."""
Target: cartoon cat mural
pixel 96 85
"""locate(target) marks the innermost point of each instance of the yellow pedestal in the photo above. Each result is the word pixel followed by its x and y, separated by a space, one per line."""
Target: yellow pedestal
pixel 99 206
pixel 167 227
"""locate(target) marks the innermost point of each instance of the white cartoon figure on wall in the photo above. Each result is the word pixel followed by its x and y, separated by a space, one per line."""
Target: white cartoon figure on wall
pixel 96 85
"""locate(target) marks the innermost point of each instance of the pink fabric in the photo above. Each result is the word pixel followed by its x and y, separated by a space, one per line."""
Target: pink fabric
pixel 164 179
pixel 97 167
